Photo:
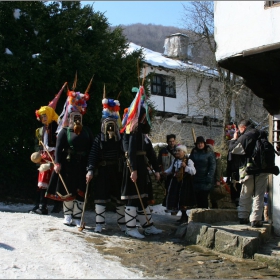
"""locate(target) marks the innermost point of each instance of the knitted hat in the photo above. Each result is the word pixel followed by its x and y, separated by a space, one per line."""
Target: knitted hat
pixel 182 148
pixel 210 142
pixel 199 139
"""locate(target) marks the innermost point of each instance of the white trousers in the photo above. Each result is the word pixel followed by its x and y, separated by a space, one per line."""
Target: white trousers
pixel 252 198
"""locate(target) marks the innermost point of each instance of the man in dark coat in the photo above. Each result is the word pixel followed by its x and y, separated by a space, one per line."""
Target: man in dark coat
pixel 253 186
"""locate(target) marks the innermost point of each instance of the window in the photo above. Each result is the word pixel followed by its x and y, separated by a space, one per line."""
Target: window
pixel 163 86
pixel 272 4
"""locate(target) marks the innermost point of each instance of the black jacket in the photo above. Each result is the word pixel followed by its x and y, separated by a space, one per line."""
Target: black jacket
pixel 244 145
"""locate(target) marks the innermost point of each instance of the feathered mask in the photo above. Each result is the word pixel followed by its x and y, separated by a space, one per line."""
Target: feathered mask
pixel 131 118
pixel 75 102
pixel 111 108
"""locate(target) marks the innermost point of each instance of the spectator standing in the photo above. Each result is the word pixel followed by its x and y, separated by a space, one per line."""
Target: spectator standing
pixel 232 171
pixel 180 195
pixel 253 188
pixel 205 164
pixel 166 156
pixel 218 174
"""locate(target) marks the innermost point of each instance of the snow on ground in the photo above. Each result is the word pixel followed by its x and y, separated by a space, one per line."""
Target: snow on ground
pixel 38 246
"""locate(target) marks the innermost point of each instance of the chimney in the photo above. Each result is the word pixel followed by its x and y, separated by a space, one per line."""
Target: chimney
pixel 176 46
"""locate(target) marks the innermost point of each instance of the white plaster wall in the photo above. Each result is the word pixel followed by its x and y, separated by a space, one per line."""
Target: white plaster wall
pixel 172 105
pixel 243 25
pixel 186 86
pixel 276 192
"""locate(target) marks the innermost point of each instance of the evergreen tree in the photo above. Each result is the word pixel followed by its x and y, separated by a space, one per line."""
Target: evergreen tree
pixel 42 46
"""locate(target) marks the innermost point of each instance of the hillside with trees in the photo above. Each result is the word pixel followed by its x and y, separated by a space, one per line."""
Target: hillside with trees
pixel 152 37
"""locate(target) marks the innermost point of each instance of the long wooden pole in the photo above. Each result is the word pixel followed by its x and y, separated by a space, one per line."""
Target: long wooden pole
pixel 82 226
pixel 193 134
pixel 68 194
pixel 128 164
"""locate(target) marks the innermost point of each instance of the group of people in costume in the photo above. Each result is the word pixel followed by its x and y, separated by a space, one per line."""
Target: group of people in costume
pixel 116 158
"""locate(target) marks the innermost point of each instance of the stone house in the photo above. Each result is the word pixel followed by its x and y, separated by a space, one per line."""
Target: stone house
pixel 183 93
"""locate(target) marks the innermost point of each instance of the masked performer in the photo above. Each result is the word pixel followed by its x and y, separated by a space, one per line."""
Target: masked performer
pixel 105 159
pixel 134 187
pixel 46 135
pixel 71 156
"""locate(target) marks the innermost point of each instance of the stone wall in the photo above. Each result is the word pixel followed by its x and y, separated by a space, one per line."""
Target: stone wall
pixel 183 131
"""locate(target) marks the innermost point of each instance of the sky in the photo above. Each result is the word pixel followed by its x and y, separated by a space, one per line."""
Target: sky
pixel 40 247
pixel 166 13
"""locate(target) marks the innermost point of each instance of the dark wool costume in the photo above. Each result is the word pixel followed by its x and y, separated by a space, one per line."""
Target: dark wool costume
pixel 107 158
pixel 134 145
pixel 73 162
pixel 181 194
pixel 135 194
pixel 152 161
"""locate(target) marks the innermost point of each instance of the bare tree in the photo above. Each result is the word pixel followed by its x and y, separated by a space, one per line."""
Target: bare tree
pixel 232 94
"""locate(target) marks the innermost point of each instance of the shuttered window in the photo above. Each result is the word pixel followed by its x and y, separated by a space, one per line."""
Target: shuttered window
pixel 163 86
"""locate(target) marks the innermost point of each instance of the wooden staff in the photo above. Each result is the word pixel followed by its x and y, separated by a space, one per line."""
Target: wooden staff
pixel 193 134
pixel 68 194
pixel 128 164
pixel 82 225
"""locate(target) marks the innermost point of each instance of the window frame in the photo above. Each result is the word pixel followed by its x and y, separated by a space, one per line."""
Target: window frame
pixel 162 85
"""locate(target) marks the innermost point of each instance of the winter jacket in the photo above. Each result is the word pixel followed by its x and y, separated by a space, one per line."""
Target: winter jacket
pixel 205 165
pixel 244 145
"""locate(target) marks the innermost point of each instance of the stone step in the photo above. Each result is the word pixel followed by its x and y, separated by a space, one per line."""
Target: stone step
pixel 219 230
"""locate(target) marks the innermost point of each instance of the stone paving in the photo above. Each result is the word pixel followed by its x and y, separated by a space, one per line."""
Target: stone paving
pixel 171 256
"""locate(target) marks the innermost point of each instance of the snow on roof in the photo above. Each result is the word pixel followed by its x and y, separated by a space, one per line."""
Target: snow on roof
pixel 159 60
